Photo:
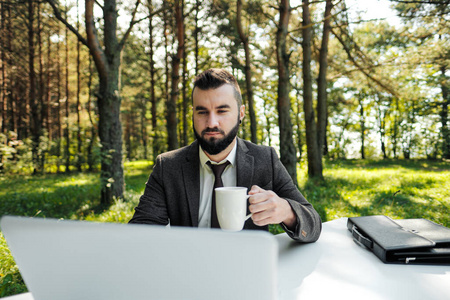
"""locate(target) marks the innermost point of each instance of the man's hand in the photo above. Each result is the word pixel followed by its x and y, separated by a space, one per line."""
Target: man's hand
pixel 268 208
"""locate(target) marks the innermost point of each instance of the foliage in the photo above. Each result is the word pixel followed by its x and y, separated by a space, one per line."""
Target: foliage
pixel 11 281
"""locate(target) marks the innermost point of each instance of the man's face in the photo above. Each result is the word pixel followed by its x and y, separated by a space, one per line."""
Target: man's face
pixel 216 118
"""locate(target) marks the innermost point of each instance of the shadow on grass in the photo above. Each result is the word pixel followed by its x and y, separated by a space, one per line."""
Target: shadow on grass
pixel 52 196
pixel 136 183
pixel 322 193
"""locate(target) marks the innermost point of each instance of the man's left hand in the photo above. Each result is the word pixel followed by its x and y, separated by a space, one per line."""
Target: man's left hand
pixel 268 208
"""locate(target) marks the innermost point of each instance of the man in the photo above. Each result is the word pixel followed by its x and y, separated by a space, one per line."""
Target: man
pixel 179 190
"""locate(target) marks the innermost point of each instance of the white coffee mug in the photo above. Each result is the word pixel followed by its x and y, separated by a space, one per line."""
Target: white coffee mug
pixel 231 207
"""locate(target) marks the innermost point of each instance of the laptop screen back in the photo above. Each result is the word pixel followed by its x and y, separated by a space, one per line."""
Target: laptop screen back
pixel 64 260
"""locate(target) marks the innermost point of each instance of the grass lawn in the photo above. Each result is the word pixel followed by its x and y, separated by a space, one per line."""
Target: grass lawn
pixel 396 188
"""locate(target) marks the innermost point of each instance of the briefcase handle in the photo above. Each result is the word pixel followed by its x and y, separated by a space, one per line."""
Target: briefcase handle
pixel 360 239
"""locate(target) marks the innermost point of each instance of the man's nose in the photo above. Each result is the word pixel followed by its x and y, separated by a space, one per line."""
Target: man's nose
pixel 213 121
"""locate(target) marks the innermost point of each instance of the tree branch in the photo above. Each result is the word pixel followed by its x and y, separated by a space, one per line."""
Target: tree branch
pixel 98 3
pixel 356 64
pixel 132 22
pixel 58 15
pixel 435 2
pixel 94 46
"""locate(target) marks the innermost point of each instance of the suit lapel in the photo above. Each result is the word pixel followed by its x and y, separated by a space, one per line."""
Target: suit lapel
pixel 244 164
pixel 191 175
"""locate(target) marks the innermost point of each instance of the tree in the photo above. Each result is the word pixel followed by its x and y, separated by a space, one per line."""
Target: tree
pixel 312 145
pixel 287 148
pixel 322 112
pixel 248 72
pixel 175 90
pixel 107 61
pixel 152 81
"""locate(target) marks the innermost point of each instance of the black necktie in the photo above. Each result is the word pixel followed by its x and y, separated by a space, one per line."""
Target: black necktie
pixel 217 170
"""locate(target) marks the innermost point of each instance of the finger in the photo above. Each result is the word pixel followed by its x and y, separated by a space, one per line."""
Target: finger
pixel 255 190
pixel 263 218
pixel 261 202
pixel 259 197
pixel 268 212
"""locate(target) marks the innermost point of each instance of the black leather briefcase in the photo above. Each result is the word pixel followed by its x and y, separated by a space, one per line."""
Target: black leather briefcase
pixel 413 241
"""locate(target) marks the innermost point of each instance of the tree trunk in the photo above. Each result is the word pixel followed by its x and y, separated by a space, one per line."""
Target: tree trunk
pixel 268 123
pixel 248 73
pixel 127 134
pixel 3 94
pixel 287 148
pixel 155 134
pixel 172 141
pixel 362 125
pixel 48 115
pixel 58 104
pixel 41 92
pixel 444 114
pixel 196 36
pixel 185 99
pixel 90 155
pixel 79 140
pixel 32 97
pixel 166 60
pixel 67 107
pixel 107 63
pixel 4 68
pixel 382 127
pixel 312 145
pixel 396 126
pixel 322 81
pixel 299 131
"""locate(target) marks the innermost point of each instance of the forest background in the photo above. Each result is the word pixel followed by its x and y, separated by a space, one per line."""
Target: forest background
pixel 90 86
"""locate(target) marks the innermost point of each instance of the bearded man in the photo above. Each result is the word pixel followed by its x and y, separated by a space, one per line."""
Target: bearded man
pixel 179 189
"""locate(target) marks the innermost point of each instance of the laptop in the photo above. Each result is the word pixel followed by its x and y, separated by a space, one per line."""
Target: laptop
pixel 62 260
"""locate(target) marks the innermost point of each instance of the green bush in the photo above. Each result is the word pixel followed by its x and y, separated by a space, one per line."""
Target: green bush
pixel 11 281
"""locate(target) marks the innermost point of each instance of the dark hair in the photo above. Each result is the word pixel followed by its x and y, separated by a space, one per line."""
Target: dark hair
pixel 215 78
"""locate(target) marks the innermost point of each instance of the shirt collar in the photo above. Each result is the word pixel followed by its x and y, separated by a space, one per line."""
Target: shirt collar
pixel 231 156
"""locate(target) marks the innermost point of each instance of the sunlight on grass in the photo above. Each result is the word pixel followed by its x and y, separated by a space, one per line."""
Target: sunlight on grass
pixel 78 181
pixel 138 167
pixel 399 190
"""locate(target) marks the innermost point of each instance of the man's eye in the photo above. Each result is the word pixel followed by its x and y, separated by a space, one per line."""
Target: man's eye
pixel 201 112
pixel 222 111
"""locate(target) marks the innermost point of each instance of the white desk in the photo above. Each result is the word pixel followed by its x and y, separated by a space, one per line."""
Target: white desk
pixel 336 268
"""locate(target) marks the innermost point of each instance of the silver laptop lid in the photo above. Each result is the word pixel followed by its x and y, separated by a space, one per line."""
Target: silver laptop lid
pixel 65 260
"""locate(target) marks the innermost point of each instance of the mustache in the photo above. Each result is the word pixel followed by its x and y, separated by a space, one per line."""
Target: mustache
pixel 215 129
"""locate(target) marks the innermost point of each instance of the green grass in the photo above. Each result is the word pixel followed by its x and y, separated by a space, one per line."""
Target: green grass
pixel 399 189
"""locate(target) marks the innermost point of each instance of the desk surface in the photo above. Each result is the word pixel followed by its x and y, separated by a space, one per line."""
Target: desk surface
pixel 336 268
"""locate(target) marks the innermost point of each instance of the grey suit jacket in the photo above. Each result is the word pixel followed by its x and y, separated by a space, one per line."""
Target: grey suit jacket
pixel 172 193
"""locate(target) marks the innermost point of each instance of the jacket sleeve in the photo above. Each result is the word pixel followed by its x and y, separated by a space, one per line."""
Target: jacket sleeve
pixel 152 207
pixel 309 224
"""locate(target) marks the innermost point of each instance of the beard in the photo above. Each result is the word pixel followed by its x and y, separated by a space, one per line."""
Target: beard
pixel 214 146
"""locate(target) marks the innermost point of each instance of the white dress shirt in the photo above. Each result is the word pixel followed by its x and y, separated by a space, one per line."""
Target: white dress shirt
pixel 207 183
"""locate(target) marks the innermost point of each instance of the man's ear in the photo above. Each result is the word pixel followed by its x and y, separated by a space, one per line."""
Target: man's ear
pixel 241 113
